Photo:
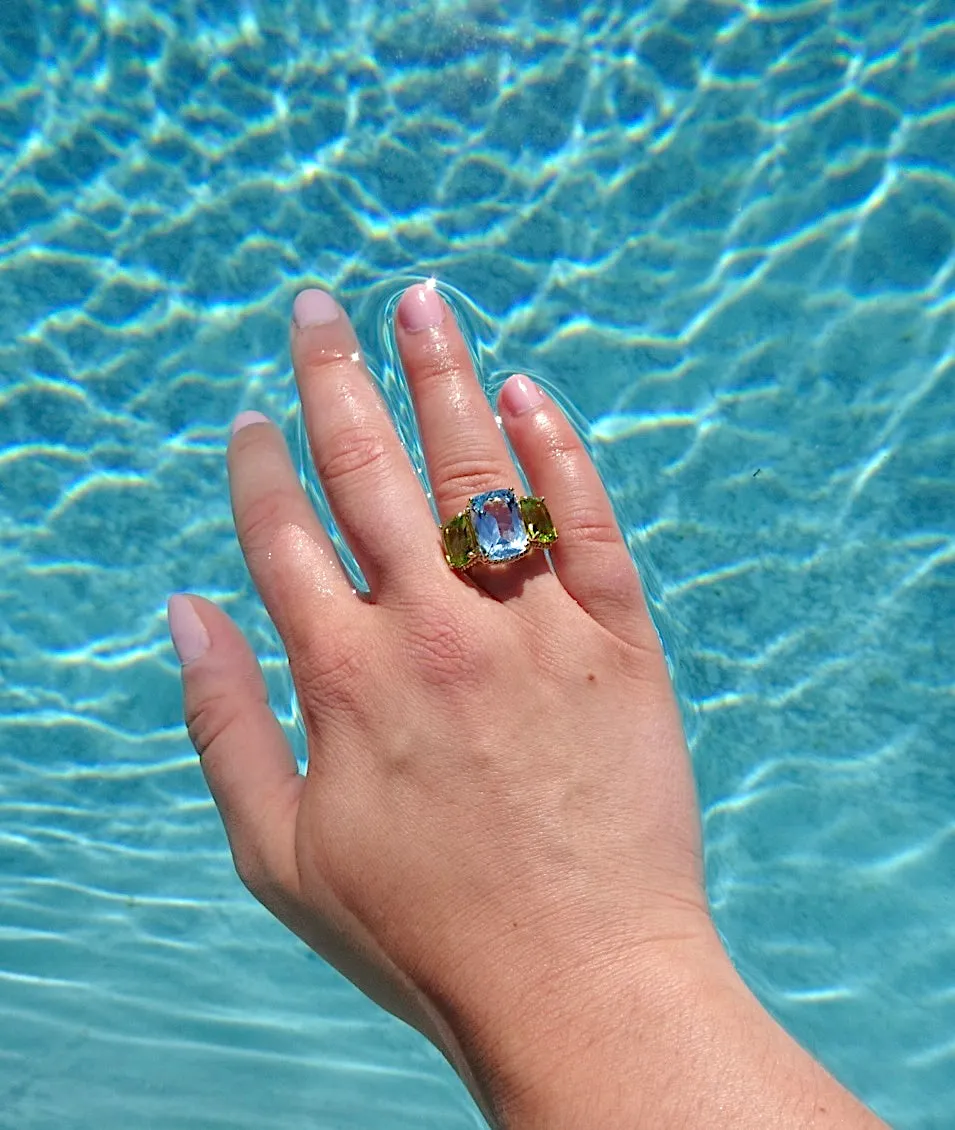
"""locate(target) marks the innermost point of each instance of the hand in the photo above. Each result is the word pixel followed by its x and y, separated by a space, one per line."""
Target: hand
pixel 496 763
pixel 497 834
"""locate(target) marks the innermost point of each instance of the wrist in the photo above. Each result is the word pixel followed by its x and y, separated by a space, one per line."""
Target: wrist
pixel 538 1025
pixel 671 1038
pixel 614 1049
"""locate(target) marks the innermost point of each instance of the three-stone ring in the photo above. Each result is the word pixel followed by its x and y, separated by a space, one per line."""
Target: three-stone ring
pixel 497 526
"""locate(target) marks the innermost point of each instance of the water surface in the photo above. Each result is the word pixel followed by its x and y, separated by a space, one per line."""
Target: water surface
pixel 725 232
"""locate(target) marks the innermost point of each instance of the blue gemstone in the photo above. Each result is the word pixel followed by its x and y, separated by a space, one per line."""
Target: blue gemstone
pixel 500 529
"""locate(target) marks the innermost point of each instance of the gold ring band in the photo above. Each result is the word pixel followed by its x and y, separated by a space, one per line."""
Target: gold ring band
pixel 497 527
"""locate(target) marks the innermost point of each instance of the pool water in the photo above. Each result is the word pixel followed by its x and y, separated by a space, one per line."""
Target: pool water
pixel 725 232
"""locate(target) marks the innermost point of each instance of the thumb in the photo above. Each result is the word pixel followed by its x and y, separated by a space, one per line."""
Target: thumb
pixel 248 764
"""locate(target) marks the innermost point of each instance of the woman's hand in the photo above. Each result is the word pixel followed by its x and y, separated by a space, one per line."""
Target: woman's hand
pixel 497 836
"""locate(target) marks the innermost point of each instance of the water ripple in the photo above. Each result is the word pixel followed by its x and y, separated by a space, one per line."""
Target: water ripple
pixel 725 232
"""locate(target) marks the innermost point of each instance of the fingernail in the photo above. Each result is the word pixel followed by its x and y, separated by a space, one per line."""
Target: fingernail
pixel 314 308
pixel 420 308
pixel 189 635
pixel 245 418
pixel 519 395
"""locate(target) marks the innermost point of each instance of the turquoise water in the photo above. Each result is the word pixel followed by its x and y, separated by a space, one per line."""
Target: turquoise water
pixel 726 232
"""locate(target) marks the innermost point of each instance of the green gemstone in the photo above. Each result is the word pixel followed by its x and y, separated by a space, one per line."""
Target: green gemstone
pixel 460 542
pixel 537 519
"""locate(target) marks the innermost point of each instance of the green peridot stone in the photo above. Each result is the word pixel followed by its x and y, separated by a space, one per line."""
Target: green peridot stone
pixel 537 519
pixel 460 542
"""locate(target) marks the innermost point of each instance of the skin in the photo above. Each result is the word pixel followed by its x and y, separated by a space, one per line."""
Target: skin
pixel 497 838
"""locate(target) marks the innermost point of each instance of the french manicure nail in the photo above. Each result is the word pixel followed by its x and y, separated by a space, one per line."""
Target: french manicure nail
pixel 245 418
pixel 314 308
pixel 189 635
pixel 521 395
pixel 420 308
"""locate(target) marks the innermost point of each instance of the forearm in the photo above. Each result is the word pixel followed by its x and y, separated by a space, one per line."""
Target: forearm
pixel 687 1047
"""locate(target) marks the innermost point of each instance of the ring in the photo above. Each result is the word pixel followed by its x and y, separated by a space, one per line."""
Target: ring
pixel 497 526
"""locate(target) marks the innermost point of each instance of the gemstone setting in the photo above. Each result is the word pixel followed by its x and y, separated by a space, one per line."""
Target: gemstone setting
pixel 537 519
pixel 460 542
pixel 498 525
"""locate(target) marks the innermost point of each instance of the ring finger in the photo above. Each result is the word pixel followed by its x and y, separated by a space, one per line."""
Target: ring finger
pixel 463 446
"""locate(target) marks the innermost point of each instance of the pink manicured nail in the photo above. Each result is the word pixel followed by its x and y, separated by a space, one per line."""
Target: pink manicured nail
pixel 520 395
pixel 245 418
pixel 420 308
pixel 314 308
pixel 189 635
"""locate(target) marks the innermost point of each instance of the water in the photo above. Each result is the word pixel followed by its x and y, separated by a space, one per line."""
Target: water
pixel 725 232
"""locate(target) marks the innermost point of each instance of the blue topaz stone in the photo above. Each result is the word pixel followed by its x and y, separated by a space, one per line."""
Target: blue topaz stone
pixel 499 526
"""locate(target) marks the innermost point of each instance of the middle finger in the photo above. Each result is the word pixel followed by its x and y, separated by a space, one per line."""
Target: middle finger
pixel 366 474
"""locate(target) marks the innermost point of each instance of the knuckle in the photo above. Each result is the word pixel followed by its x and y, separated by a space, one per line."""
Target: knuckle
pixel 261 516
pixel 356 450
pixel 444 650
pixel 209 720
pixel 267 876
pixel 257 873
pixel 641 655
pixel 589 525
pixel 563 444
pixel 437 365
pixel 465 475
pixel 250 869
pixel 320 361
pixel 612 579
pixel 330 677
